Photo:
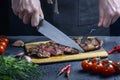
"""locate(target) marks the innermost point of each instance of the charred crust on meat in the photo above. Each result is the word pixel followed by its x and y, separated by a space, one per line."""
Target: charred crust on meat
pixel 45 50
pixel 92 44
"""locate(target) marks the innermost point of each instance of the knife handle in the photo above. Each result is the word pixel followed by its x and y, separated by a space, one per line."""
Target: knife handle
pixel 40 23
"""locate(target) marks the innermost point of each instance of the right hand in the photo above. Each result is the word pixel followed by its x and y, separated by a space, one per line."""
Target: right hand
pixel 28 11
pixel 109 11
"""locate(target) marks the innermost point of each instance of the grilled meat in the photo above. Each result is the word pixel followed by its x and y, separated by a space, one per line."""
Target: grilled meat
pixel 51 48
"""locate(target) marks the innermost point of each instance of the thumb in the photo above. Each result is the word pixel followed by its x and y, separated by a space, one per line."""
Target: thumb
pixel 100 21
pixel 35 19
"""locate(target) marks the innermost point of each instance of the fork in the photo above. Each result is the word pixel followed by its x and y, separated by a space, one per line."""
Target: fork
pixel 94 28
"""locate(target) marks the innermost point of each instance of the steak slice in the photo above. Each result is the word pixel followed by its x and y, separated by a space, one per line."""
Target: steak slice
pixel 91 44
pixel 51 48
pixel 38 52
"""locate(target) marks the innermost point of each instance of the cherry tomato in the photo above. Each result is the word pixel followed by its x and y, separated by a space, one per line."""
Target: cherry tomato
pixel 116 67
pixel 94 60
pixel 107 61
pixel 97 67
pixel 86 65
pixel 3 44
pixel 5 39
pixel 108 69
pixel 2 49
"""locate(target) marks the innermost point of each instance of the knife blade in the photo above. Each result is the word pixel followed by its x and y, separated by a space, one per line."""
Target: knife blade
pixel 56 35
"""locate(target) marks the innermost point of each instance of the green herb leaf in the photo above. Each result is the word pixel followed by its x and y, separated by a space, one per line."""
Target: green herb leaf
pixel 14 69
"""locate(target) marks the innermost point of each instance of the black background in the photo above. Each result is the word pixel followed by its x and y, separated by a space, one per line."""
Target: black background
pixel 4 23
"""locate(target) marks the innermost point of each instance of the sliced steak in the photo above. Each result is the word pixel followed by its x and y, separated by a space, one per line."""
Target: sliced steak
pixel 53 49
pixel 91 44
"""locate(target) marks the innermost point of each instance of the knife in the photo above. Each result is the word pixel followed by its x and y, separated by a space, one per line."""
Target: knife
pixel 56 35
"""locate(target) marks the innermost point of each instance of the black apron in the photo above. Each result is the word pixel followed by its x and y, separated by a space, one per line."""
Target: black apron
pixel 75 19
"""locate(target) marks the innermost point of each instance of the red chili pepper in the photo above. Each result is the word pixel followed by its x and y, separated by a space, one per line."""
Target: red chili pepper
pixel 116 48
pixel 68 72
pixel 63 70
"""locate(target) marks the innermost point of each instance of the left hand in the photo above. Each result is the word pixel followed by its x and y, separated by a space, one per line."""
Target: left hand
pixel 109 12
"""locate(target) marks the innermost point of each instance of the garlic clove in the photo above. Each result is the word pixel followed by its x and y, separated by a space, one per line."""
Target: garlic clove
pixel 18 43
pixel 27 58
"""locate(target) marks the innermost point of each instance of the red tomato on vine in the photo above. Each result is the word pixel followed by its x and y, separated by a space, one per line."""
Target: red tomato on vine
pixel 117 67
pixel 2 49
pixel 5 39
pixel 97 67
pixel 3 44
pixel 86 65
pixel 108 70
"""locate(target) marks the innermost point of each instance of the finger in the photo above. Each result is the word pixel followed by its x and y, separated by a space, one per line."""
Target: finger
pixel 100 21
pixel 21 15
pixel 107 21
pixel 21 12
pixel 15 12
pixel 101 16
pixel 14 7
pixel 26 18
pixel 35 19
pixel 115 17
pixel 41 14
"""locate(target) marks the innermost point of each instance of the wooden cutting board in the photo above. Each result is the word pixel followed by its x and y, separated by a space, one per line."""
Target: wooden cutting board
pixel 71 57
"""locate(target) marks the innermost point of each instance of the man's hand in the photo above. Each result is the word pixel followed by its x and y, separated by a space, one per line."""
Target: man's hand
pixel 28 11
pixel 109 12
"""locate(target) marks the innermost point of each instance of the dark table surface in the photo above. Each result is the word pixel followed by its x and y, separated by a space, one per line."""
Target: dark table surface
pixel 76 70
